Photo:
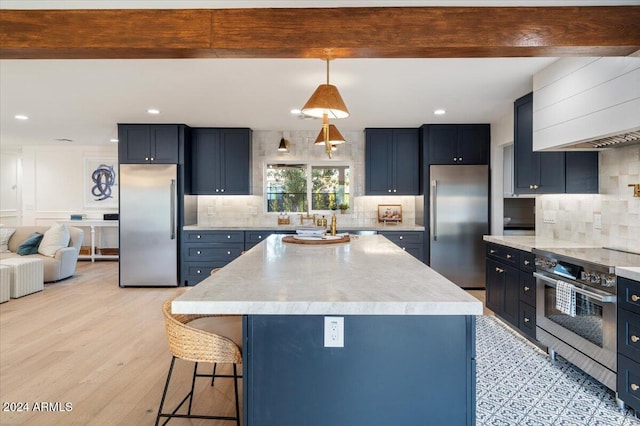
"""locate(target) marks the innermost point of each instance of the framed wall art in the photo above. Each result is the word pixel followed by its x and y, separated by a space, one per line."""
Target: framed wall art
pixel 101 183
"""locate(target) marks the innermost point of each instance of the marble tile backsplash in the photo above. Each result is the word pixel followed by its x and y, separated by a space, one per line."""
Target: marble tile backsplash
pixel 250 210
pixel 577 216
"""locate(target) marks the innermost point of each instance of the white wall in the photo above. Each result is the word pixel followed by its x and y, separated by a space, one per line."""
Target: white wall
pixel 580 99
pixel 52 182
pixel 10 173
pixel 501 135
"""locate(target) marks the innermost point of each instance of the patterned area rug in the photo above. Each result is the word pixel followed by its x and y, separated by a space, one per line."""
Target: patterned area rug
pixel 518 385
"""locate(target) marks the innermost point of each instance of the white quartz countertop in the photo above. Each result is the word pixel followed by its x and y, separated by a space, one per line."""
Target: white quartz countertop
pixel 530 242
pixel 388 228
pixel 631 273
pixel 367 276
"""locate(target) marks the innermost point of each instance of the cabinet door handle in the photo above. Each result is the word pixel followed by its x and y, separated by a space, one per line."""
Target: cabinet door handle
pixel 460 159
pixel 455 159
pixel 217 190
pixel 395 190
pixel 499 270
pixel 634 297
pixel 508 256
pixel 151 158
pixel 389 190
pixel 228 236
pixel 228 252
pixel 535 187
pixel 198 252
pixel 259 237
pixel 634 339
pixel 198 271
pixel 526 288
pixel 526 319
pixel 146 158
pixel 222 190
pixel 526 262
pixel 198 236
pixel 401 237
pixel 634 387
pixel 492 251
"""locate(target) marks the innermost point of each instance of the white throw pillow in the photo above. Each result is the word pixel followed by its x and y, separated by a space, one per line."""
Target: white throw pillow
pixel 5 235
pixel 55 238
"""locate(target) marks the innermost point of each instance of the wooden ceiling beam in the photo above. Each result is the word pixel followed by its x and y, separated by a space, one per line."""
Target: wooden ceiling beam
pixel 382 32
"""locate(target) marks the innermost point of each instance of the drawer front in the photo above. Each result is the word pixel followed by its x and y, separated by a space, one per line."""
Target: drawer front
pixel 629 295
pixel 214 237
pixel 198 271
pixel 403 238
pixel 416 250
pixel 504 254
pixel 527 320
pixel 215 252
pixel 255 237
pixel 629 334
pixel 527 261
pixel 527 283
pixel 628 378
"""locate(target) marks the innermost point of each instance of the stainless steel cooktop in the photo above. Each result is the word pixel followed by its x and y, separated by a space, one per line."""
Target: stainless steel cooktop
pixel 598 257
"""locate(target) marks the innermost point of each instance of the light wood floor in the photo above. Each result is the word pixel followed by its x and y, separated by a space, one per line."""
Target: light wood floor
pixel 102 348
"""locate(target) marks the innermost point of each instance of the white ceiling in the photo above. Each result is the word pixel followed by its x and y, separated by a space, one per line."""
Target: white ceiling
pixel 83 100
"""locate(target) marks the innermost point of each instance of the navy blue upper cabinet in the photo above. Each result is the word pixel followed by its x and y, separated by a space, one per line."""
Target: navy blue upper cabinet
pixel 457 143
pixel 534 172
pixel 581 169
pixel 221 161
pixel 548 172
pixel 392 162
pixel 151 143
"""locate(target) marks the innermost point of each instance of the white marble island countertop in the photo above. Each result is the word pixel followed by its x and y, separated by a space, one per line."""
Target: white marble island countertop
pixel 367 276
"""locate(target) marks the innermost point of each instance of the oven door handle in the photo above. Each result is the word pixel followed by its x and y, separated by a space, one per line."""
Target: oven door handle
pixel 600 297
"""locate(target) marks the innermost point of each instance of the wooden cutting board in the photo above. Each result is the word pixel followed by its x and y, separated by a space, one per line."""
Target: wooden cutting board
pixel 291 239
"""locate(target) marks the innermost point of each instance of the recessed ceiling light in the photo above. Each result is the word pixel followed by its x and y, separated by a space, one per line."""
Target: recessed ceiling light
pixel 21 117
pixel 63 140
pixel 153 111
pixel 113 140
pixel 295 111
pixel 440 111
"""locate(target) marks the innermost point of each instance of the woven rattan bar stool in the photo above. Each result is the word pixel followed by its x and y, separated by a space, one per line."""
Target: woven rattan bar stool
pixel 198 345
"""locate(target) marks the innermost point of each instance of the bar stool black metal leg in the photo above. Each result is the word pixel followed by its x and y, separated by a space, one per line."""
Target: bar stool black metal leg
pixel 193 385
pixel 235 386
pixel 213 377
pixel 166 387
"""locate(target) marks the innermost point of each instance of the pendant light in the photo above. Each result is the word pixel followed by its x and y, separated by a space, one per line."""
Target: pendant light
pixel 326 102
pixel 284 145
pixel 335 137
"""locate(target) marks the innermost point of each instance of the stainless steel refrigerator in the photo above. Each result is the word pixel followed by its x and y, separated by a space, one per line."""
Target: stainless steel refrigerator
pixel 459 217
pixel 148 225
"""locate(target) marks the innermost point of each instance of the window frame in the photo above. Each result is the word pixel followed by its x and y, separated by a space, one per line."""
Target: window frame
pixel 309 165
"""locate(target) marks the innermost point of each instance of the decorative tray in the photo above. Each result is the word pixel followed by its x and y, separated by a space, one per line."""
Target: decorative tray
pixel 328 239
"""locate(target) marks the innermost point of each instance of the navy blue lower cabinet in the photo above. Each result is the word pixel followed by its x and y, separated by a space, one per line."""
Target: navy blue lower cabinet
pixel 392 370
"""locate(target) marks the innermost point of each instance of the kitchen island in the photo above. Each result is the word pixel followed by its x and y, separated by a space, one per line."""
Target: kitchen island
pixel 409 334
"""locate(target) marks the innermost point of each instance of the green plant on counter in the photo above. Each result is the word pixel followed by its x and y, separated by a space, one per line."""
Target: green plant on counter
pixel 343 206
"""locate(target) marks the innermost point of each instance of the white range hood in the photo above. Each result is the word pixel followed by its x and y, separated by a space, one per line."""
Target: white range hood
pixel 587 103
